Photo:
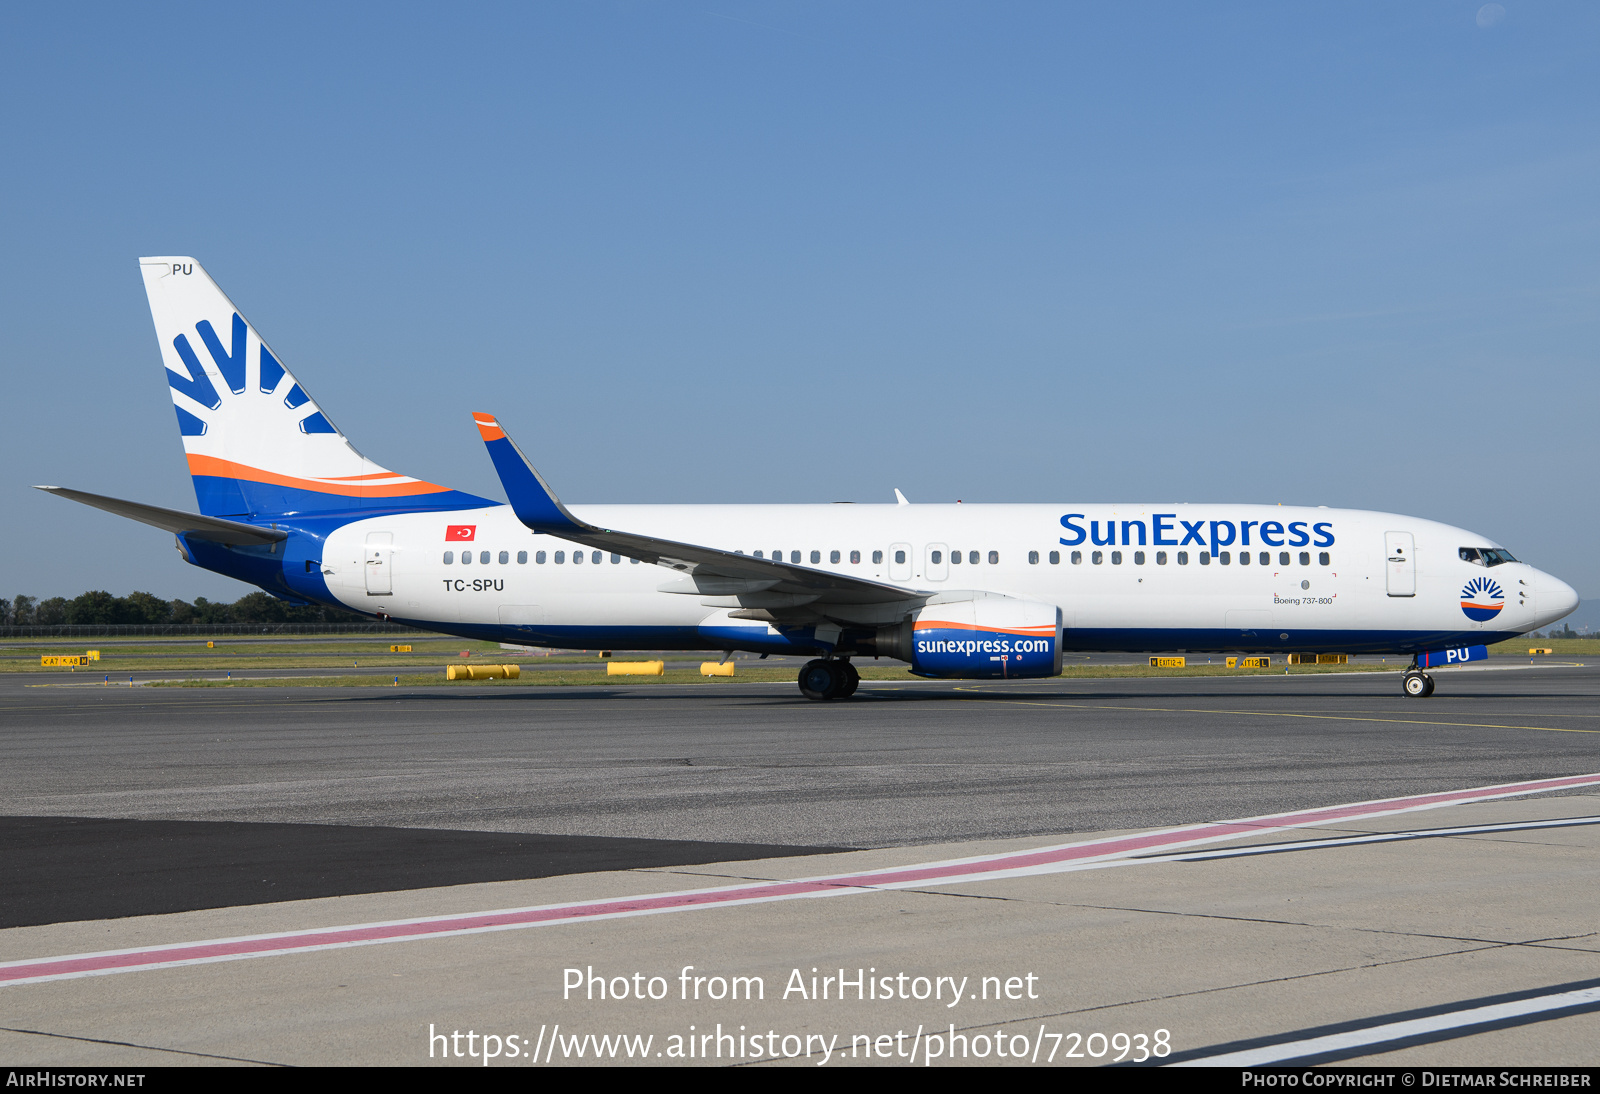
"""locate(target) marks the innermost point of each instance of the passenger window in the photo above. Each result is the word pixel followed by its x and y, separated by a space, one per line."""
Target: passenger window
pixel 1183 558
pixel 777 556
pixel 1055 558
pixel 538 556
pixel 1266 558
pixel 955 558
pixel 994 558
pixel 1077 558
pixel 561 556
pixel 1097 557
pixel 595 558
pixel 899 558
pixel 877 558
pixel 1138 558
pixel 816 557
pixel 1033 558
pixel 577 558
pixel 616 560
pixel 1116 558
pixel 522 558
pixel 1283 558
pixel 936 557
pixel 1161 558
pixel 1205 558
pixel 794 556
pixel 1224 557
pixel 1322 559
pixel 972 557
pixel 1305 558
pixel 855 558
pixel 505 557
pixel 758 554
pixel 833 558
pixel 633 562
pixel 449 558
pixel 466 558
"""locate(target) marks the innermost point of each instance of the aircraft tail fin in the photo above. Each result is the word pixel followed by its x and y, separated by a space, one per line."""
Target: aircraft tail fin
pixel 256 442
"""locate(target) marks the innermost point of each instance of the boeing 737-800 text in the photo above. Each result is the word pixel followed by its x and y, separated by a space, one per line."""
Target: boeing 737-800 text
pixel 966 591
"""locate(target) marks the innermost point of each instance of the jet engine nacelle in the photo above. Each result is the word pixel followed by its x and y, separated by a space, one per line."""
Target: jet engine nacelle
pixel 988 638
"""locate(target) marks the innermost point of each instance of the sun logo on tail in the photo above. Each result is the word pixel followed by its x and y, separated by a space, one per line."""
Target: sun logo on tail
pixel 230 365
pixel 1482 599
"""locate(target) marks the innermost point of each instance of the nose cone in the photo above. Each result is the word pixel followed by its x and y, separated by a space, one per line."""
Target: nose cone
pixel 1555 598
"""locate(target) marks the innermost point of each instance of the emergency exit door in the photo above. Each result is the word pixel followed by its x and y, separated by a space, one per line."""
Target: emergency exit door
pixel 899 562
pixel 1400 563
pixel 380 561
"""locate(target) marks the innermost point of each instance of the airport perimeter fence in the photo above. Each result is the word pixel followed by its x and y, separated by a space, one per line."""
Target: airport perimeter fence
pixel 201 630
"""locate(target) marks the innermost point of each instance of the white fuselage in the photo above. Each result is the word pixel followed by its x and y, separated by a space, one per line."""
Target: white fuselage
pixel 1123 576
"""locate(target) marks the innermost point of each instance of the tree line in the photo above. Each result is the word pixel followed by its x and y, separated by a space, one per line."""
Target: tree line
pixel 100 608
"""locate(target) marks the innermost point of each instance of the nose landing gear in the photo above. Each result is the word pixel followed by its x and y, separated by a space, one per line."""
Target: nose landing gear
pixel 1417 684
pixel 821 679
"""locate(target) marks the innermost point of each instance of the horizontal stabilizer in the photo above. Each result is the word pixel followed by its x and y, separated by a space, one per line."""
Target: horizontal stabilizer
pixel 540 510
pixel 176 521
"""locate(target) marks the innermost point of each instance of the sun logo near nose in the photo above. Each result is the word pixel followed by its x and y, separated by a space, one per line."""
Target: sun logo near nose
pixel 1482 599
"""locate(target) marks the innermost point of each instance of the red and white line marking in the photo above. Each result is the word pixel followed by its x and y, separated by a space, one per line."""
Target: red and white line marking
pixel 1060 858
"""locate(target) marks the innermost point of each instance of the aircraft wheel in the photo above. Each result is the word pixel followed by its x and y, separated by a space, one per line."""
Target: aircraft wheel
pixel 851 680
pixel 819 679
pixel 1418 685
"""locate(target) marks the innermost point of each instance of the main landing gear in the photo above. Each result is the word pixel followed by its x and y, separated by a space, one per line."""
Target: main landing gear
pixel 828 679
pixel 1417 684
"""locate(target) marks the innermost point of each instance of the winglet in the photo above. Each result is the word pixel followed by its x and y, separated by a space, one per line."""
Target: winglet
pixel 535 504
pixel 900 499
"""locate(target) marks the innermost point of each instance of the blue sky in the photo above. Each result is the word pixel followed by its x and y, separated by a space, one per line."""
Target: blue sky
pixel 1324 254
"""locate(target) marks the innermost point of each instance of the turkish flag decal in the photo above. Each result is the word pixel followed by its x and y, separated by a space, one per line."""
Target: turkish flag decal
pixel 460 532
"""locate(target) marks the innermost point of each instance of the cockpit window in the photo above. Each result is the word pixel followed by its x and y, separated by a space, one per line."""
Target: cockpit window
pixel 1485 556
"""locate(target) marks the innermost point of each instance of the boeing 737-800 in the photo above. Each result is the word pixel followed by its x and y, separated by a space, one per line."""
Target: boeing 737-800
pixel 964 591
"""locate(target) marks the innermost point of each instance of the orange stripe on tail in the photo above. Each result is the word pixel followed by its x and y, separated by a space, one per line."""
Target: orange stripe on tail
pixel 227 469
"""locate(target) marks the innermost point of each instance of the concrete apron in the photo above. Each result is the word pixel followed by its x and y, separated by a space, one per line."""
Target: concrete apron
pixel 1187 954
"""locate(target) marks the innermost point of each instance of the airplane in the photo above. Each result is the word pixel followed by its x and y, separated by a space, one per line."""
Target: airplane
pixel 964 591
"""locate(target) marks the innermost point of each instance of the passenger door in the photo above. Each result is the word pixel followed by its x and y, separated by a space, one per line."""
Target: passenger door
pixel 1399 553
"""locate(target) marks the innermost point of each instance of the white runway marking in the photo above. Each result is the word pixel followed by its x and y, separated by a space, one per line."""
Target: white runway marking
pixel 1437 1027
pixel 1059 858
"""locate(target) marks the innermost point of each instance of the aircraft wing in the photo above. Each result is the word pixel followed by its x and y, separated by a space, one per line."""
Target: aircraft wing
pixel 709 571
pixel 231 532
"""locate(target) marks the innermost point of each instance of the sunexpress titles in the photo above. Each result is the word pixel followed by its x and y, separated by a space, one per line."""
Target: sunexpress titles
pixel 1166 530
